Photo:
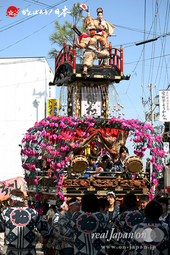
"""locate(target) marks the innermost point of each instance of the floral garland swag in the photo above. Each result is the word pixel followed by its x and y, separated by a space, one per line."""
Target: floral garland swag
pixel 55 138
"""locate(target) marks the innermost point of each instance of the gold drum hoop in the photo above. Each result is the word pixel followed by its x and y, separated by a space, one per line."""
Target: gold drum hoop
pixel 79 164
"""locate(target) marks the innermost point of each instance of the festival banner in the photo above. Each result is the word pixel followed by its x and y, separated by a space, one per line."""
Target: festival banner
pixel 8 185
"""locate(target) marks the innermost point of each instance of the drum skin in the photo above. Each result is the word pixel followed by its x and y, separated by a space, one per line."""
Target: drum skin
pixel 133 165
pixel 79 164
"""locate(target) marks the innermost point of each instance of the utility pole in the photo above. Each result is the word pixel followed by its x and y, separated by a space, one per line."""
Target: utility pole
pixel 152 116
pixel 149 115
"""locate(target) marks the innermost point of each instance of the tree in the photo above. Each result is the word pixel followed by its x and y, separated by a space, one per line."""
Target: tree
pixel 65 32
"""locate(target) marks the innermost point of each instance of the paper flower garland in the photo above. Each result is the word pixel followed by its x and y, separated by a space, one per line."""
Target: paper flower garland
pixel 54 138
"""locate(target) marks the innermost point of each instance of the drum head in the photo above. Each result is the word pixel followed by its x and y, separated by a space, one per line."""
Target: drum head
pixel 134 164
pixel 80 166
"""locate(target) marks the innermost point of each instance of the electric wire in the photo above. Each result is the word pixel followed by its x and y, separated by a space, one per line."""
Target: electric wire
pixel 27 18
pixel 130 45
pixel 37 3
pixel 29 34
pixel 143 53
pixel 163 42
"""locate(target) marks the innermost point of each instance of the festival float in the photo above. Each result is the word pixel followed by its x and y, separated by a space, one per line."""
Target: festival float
pixel 55 150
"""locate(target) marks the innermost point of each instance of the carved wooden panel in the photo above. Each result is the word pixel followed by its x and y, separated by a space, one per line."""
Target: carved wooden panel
pixel 77 183
pixel 140 184
pixel 105 183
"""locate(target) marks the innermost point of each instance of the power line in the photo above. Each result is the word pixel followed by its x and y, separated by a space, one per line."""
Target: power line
pixel 147 59
pixel 22 83
pixel 163 42
pixel 27 18
pixel 29 34
pixel 37 3
pixel 134 29
pixel 143 64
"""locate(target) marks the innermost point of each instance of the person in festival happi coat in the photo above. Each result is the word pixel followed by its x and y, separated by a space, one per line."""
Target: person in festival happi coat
pixel 119 165
pixel 125 222
pixel 143 200
pixel 18 222
pixel 105 165
pixel 150 237
pixel 92 164
pixel 89 228
pixel 164 219
pixel 103 205
pixel 65 229
pixel 113 209
pixel 54 246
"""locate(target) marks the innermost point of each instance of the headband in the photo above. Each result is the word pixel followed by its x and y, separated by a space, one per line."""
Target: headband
pixel 111 193
pixel 63 203
pixel 72 203
pixel 17 198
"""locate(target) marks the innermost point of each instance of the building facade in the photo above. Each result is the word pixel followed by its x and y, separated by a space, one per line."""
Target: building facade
pixel 24 90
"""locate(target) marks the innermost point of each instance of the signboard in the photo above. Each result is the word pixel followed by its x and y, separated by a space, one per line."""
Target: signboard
pixel 52 107
pixel 8 185
pixel 164 105
pixel 91 101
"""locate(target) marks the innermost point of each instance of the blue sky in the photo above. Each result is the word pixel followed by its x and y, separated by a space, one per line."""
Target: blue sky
pixel 28 36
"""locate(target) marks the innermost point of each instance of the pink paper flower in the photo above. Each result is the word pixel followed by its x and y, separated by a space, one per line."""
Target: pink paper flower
pixel 38 196
pixel 35 181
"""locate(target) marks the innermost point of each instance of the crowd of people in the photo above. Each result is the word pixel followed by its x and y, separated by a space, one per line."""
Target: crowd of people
pixel 105 165
pixel 92 226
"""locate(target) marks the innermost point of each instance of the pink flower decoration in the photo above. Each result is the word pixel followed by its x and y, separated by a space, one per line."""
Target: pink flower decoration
pixel 67 159
pixel 38 196
pixel 63 163
pixel 43 145
pixel 155 182
pixel 35 181
pixel 153 175
pixel 59 165
pixel 48 148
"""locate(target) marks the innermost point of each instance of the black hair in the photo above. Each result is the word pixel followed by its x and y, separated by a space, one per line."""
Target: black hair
pixel 130 200
pixel 93 156
pixel 144 198
pixel 159 195
pixel 103 202
pixel 104 157
pixel 153 210
pixel 163 200
pixel 89 203
pixel 122 208
pixel 59 202
pixel 122 149
pixel 72 200
pixel 99 10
